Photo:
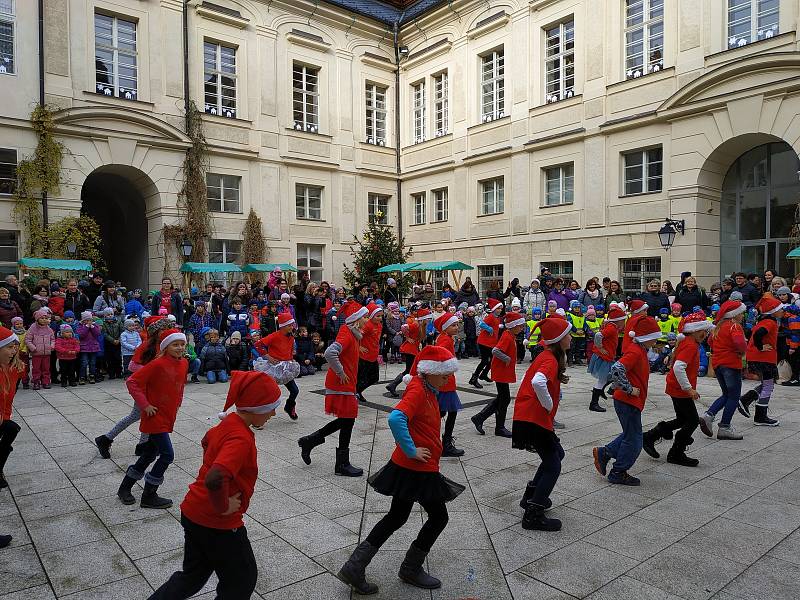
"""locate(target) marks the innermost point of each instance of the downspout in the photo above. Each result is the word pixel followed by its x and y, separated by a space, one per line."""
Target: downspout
pixel 45 215
pixel 397 130
pixel 186 99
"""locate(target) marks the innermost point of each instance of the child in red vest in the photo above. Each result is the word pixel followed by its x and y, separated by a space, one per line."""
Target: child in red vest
pixel 638 310
pixel 340 390
pixel 280 364
pixel 603 352
pixel 682 388
pixel 762 360
pixel 369 349
pixel 534 414
pixel 11 371
pixel 488 337
pixel 412 475
pixel 449 402
pixel 157 389
pixel 629 376
pixel 211 513
pixel 413 332
pixel 504 362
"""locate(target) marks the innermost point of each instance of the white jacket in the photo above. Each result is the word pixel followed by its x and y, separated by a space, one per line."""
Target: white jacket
pixel 534 299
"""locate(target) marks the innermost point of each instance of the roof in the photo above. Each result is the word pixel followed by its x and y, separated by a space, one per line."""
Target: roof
pixel 401 267
pixel 388 12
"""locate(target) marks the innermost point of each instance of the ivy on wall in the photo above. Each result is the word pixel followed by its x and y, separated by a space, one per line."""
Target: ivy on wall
pixel 254 246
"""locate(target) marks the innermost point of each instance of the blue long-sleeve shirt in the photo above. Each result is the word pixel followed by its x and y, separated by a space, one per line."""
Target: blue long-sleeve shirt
pixel 398 423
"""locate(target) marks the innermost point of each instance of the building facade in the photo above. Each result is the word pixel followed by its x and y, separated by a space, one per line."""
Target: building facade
pixel 529 133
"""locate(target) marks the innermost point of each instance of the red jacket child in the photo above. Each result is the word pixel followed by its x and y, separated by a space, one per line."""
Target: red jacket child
pixel 67 348
pixel 159 383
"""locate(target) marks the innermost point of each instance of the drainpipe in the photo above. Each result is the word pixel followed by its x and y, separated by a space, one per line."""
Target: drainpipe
pixel 186 98
pixel 397 131
pixel 45 216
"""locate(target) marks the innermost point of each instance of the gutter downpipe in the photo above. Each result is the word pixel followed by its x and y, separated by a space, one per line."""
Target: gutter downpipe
pixel 397 130
pixel 45 212
pixel 186 98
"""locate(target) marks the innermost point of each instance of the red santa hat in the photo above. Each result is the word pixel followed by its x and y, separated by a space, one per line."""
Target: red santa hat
pixel 445 321
pixel 645 330
pixel 423 314
pixel 769 305
pixel 155 324
pixel 352 311
pixel 513 319
pixel 166 337
pixel 253 392
pixel 638 306
pixel 7 337
pixel 694 322
pixel 552 329
pixel 615 314
pixel 494 304
pixel 729 309
pixel 285 319
pixel 373 309
pixel 433 360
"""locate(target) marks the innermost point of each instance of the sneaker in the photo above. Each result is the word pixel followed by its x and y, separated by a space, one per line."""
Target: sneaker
pixel 727 432
pixel 792 382
pixel 46 386
pixel 601 459
pixel 707 424
pixel 82 382
pixel 557 425
pixel 623 478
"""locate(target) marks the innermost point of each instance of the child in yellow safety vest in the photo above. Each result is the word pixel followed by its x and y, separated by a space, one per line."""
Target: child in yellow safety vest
pixel 675 315
pixel 591 326
pixel 577 351
pixel 532 332
pixel 666 324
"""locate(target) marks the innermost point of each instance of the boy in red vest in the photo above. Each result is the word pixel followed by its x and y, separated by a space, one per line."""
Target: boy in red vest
pixel 368 373
pixel 449 402
pixel 638 310
pixel 157 389
pixel 413 332
pixel 488 336
pixel 682 388
pixel 629 376
pixel 279 348
pixel 504 362
pixel 604 349
pixel 211 513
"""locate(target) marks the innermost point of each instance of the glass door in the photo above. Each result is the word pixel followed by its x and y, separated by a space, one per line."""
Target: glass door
pixel 752 258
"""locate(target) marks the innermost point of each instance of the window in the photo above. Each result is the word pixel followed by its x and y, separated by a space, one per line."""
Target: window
pixel 643 170
pixel 492 86
pixel 751 20
pixel 9 251
pixel 440 104
pixel 115 56
pixel 488 274
pixel 378 209
pixel 418 208
pixel 644 37
pixel 439 205
pixel 492 199
pixel 636 272
pixel 223 193
pixel 305 96
pixel 376 114
pixel 309 259
pixel 219 67
pixel 308 202
pixel 438 279
pixel 224 251
pixel 7 64
pixel 8 171
pixel 559 65
pixel 559 268
pixel 418 111
pixel 559 185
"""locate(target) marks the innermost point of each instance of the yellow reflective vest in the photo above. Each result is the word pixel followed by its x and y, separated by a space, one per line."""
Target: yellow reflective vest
pixel 534 337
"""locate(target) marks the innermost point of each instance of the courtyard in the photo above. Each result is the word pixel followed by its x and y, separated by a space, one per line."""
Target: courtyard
pixel 728 529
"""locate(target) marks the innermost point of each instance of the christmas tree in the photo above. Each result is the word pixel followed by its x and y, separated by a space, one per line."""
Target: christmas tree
pixel 377 247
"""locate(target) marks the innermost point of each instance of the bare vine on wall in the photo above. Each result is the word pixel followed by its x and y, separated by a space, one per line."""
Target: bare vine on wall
pixel 254 246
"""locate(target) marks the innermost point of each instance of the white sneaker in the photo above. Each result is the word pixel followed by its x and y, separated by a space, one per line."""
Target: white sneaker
pixel 707 424
pixel 728 433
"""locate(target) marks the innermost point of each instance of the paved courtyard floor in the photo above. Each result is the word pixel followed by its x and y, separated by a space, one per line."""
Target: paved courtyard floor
pixel 726 530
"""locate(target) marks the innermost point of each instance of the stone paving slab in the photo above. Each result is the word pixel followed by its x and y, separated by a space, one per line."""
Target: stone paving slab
pixel 727 530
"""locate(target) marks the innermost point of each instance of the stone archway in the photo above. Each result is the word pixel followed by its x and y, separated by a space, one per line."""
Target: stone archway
pixel 116 196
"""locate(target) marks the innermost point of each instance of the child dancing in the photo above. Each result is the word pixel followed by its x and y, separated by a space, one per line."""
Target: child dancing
pixel 488 336
pixel 369 350
pixel 11 371
pixel 449 402
pixel 603 353
pixel 280 363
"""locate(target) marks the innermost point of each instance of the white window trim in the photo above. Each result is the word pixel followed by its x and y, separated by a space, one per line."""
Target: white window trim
pixel 225 242
pixel 644 276
pixel 564 91
pixel 496 183
pixel 756 34
pixel 562 179
pixel 374 205
pixel 16 163
pixel 419 218
pixel 307 257
pixel 497 80
pixel 441 104
pixel 378 115
pixel 309 119
pixel 645 171
pixel 221 208
pixel 418 109
pixel 647 66
pixel 444 200
pixel 307 187
pixel 11 18
pixel 218 109
pixel 116 52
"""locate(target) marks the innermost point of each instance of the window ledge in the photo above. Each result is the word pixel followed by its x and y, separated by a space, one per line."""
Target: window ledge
pixel 729 54
pixel 557 205
pixel 547 107
pixel 488 124
pixel 315 134
pixel 429 142
pixel 439 222
pixel 234 121
pixel 312 220
pixel 416 224
pixel 625 84
pixel 497 214
pixel 226 212
pixel 640 194
pixel 116 100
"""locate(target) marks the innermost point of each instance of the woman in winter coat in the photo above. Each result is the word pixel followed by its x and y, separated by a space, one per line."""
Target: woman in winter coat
pixel 615 293
pixel 513 291
pixel 467 294
pixel 558 295
pixel 690 295
pixel 534 298
pixel 8 308
pixel 110 298
pixel 591 295
pixel 74 298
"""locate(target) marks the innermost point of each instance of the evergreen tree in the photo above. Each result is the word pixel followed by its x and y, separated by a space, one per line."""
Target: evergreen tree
pixel 377 247
pixel 254 246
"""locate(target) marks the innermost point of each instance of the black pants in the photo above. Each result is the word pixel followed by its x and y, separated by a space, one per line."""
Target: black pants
pixel 548 447
pixel 226 552
pixel 8 433
pixel 69 370
pixel 486 362
pixel 368 374
pixel 343 426
pixel 577 350
pixel 113 360
pixel 398 515
pixel 685 422
pixel 450 422
pixel 794 362
pixel 498 406
pixel 54 372
pixel 471 345
pixel 409 358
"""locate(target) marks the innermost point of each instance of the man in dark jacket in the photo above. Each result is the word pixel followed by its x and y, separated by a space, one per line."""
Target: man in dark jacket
pixel 655 299
pixel 750 295
pixel 95 288
pixel 74 299
pixel 467 294
pixel 169 298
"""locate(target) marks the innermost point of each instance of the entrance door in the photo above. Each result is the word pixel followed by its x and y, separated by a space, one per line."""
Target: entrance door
pixel 753 258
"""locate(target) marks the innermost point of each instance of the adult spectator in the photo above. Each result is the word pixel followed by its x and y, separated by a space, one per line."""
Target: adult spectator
pixel 727 286
pixel 669 291
pixel 391 293
pixel 534 298
pixel 513 291
pixel 425 294
pixel 750 295
pixel 75 300
pixel 606 286
pixel 755 280
pixel 95 287
pixel 315 303
pixel 361 293
pixel 691 295
pixel 280 288
pixel 558 295
pixel 110 298
pixel 655 298
pixel 591 295
pixel 18 294
pixel 494 292
pixel 169 298
pixel 714 294
pixel 615 293
pixel 467 294
pixel 680 285
pixel 796 284
pixel 775 284
pixel 8 308
pixel 769 275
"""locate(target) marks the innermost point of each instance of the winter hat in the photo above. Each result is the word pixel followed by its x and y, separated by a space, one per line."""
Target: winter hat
pixel 16 320
pixel 129 322
pixel 769 305
pixel 591 312
pixel 516 302
pixel 390 281
pixel 424 314
pixel 55 287
pixel 171 318
pixel 252 391
pixel 494 304
pixel 393 306
pixel 108 311
pixel 693 322
pixel 41 313
pixel 199 303
pixel 68 314
pixel 645 330
pixel 783 290
pixel 615 314
pixel 285 319
pixel 87 314
pixel 686 274
pixel 714 307
pixel 552 303
pixel 433 360
pixel 513 319
pixel 736 295
pixel 285 296
pixel 65 327
pixel 373 309
pixel 478 307
pixel 665 311
pixel 204 331
pixel 675 305
pixel 574 304
pixel 236 335
pixel 166 337
pixel 536 281
pixel 463 306
pixel 7 336
pixel 536 311
pixel 638 306
pixel 352 311
pixel 552 330
pixel 561 312
pixel 445 321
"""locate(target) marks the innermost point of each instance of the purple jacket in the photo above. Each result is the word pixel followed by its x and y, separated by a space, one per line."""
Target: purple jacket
pixel 88 337
pixel 560 298
pixel 40 340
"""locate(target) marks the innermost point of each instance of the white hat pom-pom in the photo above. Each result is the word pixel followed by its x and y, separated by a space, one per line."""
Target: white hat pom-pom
pixel 632 334
pixel 406 378
pixel 222 415
pixel 680 337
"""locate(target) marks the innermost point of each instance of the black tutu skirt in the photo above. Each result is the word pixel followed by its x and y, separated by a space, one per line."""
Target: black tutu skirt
pixel 531 437
pixel 763 369
pixel 425 487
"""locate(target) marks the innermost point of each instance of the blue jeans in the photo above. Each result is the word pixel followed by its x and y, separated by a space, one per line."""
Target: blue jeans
pixel 88 363
pixel 293 392
pixel 214 376
pixel 730 382
pixel 194 366
pixel 627 445
pixel 165 455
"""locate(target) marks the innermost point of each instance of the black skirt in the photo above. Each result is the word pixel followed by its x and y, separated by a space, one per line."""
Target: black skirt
pixel 531 437
pixel 763 369
pixel 368 373
pixel 425 487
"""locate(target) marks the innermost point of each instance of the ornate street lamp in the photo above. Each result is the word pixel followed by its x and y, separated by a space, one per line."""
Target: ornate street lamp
pixel 666 234
pixel 72 247
pixel 186 248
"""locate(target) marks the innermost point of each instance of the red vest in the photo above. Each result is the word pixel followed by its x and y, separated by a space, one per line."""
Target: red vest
pixel 609 332
pixel 724 352
pixel 162 380
pixel 484 337
pixel 421 407
pixel 8 389
pixel 687 351
pixel 764 356
pixel 502 372
pixel 349 359
pixel 414 331
pixel 527 406
pixel 446 341
pixel 637 368
pixel 371 340
pixel 279 345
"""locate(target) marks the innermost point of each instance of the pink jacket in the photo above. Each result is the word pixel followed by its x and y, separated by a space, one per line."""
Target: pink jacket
pixel 40 340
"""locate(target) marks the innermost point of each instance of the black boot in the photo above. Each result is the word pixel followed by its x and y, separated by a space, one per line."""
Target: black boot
pixel 501 431
pixel 4 452
pixel 654 436
pixel 352 573
pixel 677 454
pixel 150 499
pixel 448 448
pixel 473 381
pixel 500 419
pixel 534 519
pixel 343 466
pixel 763 419
pixel 485 378
pixel 103 444
pixel 411 570
pixel 5 540
pixel 530 490
pixel 594 405
pixel 478 419
pixel 745 402
pixel 307 444
pixel 124 491
pixel 392 389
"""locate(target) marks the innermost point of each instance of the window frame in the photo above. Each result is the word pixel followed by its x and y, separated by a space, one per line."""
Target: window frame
pixel 754 5
pixel 418 111
pixel 374 206
pixel 12 179
pixel 114 86
pixel 485 280
pixel 441 205
pixel 558 269
pixel 419 217
pixel 307 208
pixel 565 36
pixel 563 179
pixel 10 18
pixel 644 274
pixel 498 197
pixel 645 166
pixel 308 119
pixel 495 79
pixel 647 64
pixel 375 118
pixel 308 268
pixel 222 188
pixel 218 108
pixel 441 103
